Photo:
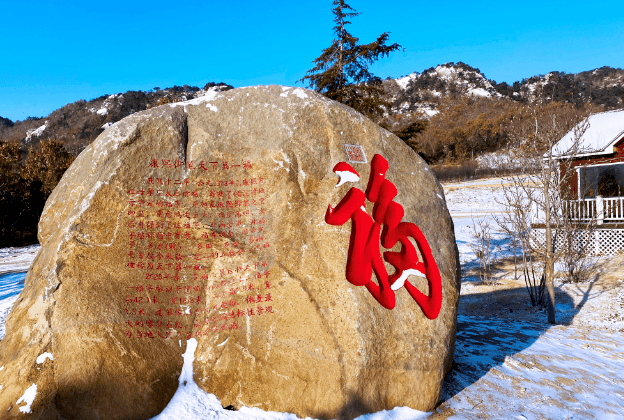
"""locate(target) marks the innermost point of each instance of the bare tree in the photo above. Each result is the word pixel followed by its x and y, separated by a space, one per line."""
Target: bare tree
pixel 542 193
pixel 516 223
pixel 482 236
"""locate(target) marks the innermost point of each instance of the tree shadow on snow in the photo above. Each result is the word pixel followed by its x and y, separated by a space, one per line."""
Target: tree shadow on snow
pixel 500 323
pixel 501 255
pixel 11 284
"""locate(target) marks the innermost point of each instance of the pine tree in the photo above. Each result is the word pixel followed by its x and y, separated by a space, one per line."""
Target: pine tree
pixel 341 71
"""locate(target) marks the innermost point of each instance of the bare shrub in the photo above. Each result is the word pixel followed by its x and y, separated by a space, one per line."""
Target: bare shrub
pixel 469 170
pixel 516 224
pixel 482 236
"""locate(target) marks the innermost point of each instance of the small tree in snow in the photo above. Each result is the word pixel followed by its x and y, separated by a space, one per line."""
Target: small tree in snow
pixel 544 191
pixel 481 238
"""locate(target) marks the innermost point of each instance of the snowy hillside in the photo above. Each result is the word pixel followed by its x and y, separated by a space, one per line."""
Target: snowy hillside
pixel 79 123
pixel 508 362
pixel 447 77
pixel 603 86
pixel 423 91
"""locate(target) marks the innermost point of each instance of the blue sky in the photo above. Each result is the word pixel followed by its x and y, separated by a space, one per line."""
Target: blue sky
pixel 54 54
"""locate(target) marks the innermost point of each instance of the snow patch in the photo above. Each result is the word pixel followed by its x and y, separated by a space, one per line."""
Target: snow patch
pixel 299 92
pixel 208 96
pixel 479 92
pixel 42 357
pixel 28 398
pixel 430 112
pixel 35 132
pixel 397 413
pixel 404 81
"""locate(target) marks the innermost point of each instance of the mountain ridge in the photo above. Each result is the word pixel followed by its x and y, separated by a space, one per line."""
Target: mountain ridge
pixel 420 93
pixel 78 123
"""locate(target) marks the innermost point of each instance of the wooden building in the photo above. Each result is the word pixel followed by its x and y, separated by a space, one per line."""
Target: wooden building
pixel 597 185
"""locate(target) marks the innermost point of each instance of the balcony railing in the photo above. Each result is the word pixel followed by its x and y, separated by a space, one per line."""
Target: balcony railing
pixel 600 209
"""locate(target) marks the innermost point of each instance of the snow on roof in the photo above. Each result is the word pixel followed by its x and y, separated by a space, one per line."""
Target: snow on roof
pixel 604 130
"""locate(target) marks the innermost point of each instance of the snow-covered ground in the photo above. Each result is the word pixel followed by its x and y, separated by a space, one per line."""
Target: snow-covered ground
pixel 508 362
pixel 14 262
pixel 469 203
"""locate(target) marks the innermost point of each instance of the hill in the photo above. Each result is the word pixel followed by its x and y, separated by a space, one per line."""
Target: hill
pixel 79 123
pixel 453 113
pixel 424 91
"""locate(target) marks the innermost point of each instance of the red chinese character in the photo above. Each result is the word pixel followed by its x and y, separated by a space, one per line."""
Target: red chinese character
pixel 153 163
pixel 364 256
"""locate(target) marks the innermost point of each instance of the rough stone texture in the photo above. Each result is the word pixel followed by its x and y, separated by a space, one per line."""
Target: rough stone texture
pixel 329 349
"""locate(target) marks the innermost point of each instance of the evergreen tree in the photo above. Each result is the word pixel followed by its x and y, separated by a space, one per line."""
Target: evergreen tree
pixel 341 71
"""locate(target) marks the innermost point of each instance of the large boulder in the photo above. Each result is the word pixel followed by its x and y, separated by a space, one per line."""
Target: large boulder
pixel 220 219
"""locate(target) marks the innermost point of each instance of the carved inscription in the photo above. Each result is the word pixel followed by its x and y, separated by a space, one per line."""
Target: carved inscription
pixel 197 246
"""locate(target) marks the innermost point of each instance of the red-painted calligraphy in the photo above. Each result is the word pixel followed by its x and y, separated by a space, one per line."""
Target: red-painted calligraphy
pixel 364 256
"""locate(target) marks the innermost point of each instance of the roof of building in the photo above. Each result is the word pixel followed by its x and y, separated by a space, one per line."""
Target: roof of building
pixel 604 131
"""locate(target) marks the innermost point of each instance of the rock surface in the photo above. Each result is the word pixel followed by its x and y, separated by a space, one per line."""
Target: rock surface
pixel 206 219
